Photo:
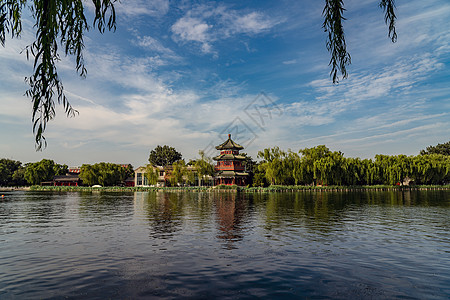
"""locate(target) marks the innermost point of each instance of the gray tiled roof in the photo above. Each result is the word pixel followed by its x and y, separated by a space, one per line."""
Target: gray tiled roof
pixel 229 144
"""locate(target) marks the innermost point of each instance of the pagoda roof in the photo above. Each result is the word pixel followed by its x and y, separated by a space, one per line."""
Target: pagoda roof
pixel 229 144
pixel 231 174
pixel 229 157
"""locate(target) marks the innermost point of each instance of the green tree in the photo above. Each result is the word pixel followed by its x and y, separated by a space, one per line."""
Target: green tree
pixel 88 174
pixel 319 165
pixel 179 173
pixel 105 174
pixel 249 166
pixel 152 174
pixel 129 171
pixel 43 170
pixel 431 169
pixel 310 170
pixel 19 176
pixel 7 169
pixel 60 169
pixel 259 178
pixel 443 149
pixel 204 167
pixel 275 166
pixel 164 156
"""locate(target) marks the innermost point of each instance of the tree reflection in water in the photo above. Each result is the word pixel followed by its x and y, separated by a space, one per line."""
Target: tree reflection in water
pixel 164 213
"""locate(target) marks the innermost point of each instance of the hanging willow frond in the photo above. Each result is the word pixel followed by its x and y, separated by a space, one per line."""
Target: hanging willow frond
pixel 58 22
pixel 333 25
pixel 388 7
pixel 340 58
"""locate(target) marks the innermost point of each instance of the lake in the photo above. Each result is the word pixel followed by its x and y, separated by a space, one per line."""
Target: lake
pixel 144 245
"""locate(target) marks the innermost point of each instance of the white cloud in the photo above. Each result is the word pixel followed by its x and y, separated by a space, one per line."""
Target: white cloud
pixel 401 76
pixel 152 44
pixel 252 23
pixel 155 8
pixel 206 24
pixel 193 29
pixel 290 62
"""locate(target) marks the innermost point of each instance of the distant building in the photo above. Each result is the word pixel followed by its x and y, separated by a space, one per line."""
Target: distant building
pixel 140 178
pixel 70 179
pixel 129 182
pixel 74 170
pixel 230 168
pixel 67 180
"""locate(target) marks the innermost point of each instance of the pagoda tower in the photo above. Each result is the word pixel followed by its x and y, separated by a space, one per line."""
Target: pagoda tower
pixel 230 165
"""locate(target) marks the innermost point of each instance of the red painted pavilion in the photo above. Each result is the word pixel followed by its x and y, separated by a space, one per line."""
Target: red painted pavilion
pixel 230 165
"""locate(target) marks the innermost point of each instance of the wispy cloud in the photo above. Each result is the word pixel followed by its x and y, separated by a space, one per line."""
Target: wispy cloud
pixel 155 8
pixel 401 76
pixel 206 24
pixel 290 62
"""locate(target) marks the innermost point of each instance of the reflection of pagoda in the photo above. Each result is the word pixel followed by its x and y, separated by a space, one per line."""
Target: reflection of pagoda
pixel 232 217
pixel 230 165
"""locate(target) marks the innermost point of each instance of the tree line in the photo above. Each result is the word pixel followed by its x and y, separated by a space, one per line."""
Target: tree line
pixel 14 173
pixel 310 166
pixel 105 174
pixel 320 166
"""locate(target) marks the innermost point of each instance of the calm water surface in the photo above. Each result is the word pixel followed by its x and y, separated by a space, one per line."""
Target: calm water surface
pixel 359 245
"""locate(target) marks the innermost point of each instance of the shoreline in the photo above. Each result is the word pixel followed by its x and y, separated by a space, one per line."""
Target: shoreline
pixel 276 188
pixel 14 188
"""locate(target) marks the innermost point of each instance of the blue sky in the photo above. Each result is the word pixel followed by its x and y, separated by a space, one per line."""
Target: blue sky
pixel 186 73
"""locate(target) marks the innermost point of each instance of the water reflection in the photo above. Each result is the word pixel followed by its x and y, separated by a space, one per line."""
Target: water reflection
pixel 103 204
pixel 225 245
pixel 164 213
pixel 232 217
pixel 48 207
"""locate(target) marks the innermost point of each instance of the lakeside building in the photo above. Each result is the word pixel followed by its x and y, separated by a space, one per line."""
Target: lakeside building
pixel 230 167
pixel 70 179
pixel 140 178
pixel 164 176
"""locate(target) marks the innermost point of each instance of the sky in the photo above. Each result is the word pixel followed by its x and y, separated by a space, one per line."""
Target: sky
pixel 188 73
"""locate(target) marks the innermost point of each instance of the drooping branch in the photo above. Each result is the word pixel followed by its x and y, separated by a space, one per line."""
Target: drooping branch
pixel 57 22
pixel 10 18
pixel 388 7
pixel 340 58
pixel 333 25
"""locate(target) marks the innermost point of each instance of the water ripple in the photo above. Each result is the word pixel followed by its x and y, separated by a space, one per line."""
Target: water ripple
pixel 201 245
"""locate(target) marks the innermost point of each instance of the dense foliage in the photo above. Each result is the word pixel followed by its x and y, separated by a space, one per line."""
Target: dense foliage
pixel 310 166
pixel 11 172
pixel 320 166
pixel 204 167
pixel 104 174
pixel 164 156
pixel 44 170
pixel 152 174
pixel 180 174
pixel 443 149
